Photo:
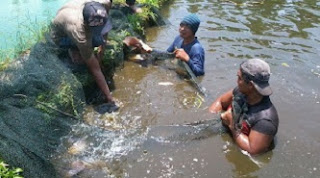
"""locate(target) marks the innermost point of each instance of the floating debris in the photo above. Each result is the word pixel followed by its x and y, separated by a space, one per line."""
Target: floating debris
pixel 315 73
pixel 285 64
pixel 165 83
pixel 193 101
pixel 76 167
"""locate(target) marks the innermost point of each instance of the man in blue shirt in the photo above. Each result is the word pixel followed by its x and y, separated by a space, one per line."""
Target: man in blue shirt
pixel 187 47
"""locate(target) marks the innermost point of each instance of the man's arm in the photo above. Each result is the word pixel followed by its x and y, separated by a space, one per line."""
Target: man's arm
pixel 254 144
pixel 94 67
pixel 197 64
pixel 222 103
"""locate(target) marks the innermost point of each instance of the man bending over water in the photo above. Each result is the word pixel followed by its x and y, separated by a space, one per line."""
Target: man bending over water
pixel 247 109
pixel 81 25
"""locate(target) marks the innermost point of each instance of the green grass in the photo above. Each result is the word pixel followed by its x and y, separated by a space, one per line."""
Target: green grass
pixel 31 32
pixel 140 20
pixel 7 172
pixel 63 97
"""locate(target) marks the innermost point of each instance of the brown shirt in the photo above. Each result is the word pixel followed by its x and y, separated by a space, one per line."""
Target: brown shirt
pixel 69 23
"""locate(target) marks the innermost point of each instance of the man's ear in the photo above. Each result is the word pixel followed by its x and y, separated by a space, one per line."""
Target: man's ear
pixel 251 85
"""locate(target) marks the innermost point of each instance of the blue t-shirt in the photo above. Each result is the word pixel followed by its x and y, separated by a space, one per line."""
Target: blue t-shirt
pixel 195 52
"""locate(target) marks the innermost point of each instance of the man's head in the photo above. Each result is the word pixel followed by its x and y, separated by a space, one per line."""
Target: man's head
pixel 257 72
pixel 96 17
pixel 190 21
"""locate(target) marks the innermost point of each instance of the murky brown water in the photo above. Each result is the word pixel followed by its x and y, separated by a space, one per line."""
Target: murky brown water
pixel 130 144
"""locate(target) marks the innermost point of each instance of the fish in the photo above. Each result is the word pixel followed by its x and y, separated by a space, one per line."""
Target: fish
pixel 131 41
pixel 77 147
pixel 146 50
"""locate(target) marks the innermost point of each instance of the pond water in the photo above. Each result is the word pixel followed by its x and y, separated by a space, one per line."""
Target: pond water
pixel 149 136
pixel 284 33
pixel 22 19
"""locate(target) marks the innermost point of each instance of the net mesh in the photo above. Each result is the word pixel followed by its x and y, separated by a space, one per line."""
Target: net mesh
pixel 42 93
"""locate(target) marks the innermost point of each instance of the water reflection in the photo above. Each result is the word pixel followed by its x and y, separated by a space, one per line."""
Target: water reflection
pixel 245 165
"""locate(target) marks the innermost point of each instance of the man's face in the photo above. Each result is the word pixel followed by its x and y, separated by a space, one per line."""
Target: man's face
pixel 243 86
pixel 185 31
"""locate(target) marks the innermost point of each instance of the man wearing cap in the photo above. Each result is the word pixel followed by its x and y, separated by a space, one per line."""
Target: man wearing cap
pixel 187 47
pixel 247 110
pixel 81 25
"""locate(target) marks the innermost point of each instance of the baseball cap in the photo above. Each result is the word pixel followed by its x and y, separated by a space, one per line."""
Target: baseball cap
pixel 96 16
pixel 258 71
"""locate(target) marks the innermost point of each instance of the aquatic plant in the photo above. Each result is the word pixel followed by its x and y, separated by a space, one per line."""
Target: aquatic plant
pixel 114 54
pixel 30 32
pixel 63 97
pixel 140 21
pixel 4 64
pixel 8 172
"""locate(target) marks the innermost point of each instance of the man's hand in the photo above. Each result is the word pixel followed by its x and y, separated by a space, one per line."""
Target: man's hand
pixel 137 43
pixel 181 54
pixel 109 99
pixel 94 68
pixel 227 119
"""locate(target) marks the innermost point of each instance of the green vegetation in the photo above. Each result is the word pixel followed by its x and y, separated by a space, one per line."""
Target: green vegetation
pixel 4 64
pixel 140 21
pixel 32 31
pixel 6 172
pixel 114 52
pixel 61 98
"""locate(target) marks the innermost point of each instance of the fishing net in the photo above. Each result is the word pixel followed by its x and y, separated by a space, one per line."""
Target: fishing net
pixel 187 132
pixel 39 96
pixel 42 94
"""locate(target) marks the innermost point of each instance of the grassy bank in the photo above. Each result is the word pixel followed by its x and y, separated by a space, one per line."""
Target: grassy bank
pixel 26 38
pixel 7 172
